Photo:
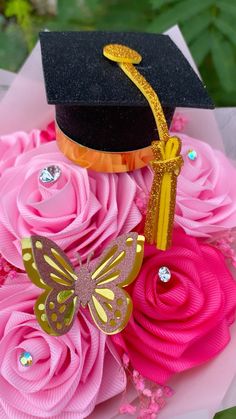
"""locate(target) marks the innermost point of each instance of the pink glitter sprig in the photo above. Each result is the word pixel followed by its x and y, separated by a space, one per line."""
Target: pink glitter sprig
pixel 151 396
pixel 226 243
pixel 179 122
pixel 7 271
pixel 141 200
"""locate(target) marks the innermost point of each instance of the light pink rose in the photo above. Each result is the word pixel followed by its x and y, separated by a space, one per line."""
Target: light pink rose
pixel 69 375
pixel 206 193
pixel 13 145
pixel 81 212
pixel 206 200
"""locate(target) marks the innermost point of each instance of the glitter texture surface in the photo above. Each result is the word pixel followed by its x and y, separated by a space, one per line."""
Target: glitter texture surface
pixel 77 73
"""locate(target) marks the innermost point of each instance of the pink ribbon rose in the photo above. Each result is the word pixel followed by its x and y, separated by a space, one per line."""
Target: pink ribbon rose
pixel 82 211
pixel 206 201
pixel 206 193
pixel 68 375
pixel 13 145
pixel 182 323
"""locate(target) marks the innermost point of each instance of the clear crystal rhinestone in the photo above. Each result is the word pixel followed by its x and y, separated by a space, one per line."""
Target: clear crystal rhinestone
pixel 50 174
pixel 26 359
pixel 192 155
pixel 164 274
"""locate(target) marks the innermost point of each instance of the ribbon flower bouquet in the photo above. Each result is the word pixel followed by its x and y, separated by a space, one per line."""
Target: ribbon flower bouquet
pixel 117 288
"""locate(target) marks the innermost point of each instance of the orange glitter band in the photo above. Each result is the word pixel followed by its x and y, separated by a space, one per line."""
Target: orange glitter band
pixel 102 161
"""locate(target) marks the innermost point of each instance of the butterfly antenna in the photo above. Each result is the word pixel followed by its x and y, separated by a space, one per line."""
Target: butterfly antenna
pixel 90 256
pixel 79 258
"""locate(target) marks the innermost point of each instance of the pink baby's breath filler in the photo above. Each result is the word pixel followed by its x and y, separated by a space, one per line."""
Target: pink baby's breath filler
pixel 151 397
pixel 179 122
pixel 226 243
pixel 7 272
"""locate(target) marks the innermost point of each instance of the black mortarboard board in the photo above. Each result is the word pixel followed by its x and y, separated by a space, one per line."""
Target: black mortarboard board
pixel 97 105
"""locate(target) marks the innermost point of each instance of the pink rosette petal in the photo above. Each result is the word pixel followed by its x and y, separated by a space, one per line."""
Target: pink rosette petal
pixel 13 145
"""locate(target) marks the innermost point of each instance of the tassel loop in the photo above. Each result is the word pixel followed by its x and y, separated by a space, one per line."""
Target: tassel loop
pixel 166 166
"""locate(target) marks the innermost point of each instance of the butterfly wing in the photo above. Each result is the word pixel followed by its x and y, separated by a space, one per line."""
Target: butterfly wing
pixel 110 305
pixel 49 268
pixel 46 264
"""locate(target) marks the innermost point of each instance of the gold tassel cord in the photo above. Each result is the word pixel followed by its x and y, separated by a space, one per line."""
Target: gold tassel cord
pixel 167 160
pixel 161 206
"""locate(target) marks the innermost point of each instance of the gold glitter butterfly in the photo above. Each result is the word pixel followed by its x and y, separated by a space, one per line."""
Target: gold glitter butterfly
pixel 98 285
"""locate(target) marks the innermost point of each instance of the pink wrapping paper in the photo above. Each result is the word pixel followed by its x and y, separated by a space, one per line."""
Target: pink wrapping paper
pixel 26 101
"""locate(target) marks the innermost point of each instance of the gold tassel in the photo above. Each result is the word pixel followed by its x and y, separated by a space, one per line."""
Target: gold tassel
pixel 161 206
pixel 167 160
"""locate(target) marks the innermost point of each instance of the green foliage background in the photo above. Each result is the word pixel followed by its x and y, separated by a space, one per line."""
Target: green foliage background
pixel 208 26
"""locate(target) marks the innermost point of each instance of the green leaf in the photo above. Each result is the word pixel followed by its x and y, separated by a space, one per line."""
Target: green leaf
pixel 13 50
pixel 201 46
pixel 198 24
pixel 123 15
pixel 223 56
pixel 18 8
pixel 2 21
pixel 21 10
pixel 226 28
pixel 157 4
pixel 77 10
pixel 226 414
pixel 66 13
pixel 179 13
pixel 227 6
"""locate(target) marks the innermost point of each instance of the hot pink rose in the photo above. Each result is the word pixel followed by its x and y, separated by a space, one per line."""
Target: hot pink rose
pixel 82 211
pixel 13 145
pixel 206 194
pixel 182 323
pixel 69 375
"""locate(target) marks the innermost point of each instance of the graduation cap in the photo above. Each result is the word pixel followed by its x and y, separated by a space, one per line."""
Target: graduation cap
pixel 104 122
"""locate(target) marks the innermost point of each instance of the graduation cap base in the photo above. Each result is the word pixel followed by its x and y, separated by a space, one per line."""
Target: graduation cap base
pixel 102 161
pixel 110 128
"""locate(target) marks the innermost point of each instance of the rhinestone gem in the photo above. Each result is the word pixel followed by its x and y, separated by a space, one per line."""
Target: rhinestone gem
pixel 26 359
pixel 50 174
pixel 164 274
pixel 192 155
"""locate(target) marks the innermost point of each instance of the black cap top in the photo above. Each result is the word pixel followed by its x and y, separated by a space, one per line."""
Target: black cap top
pixel 97 104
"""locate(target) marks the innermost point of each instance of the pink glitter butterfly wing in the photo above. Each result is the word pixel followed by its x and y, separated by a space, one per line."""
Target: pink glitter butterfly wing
pixel 49 268
pixel 110 305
